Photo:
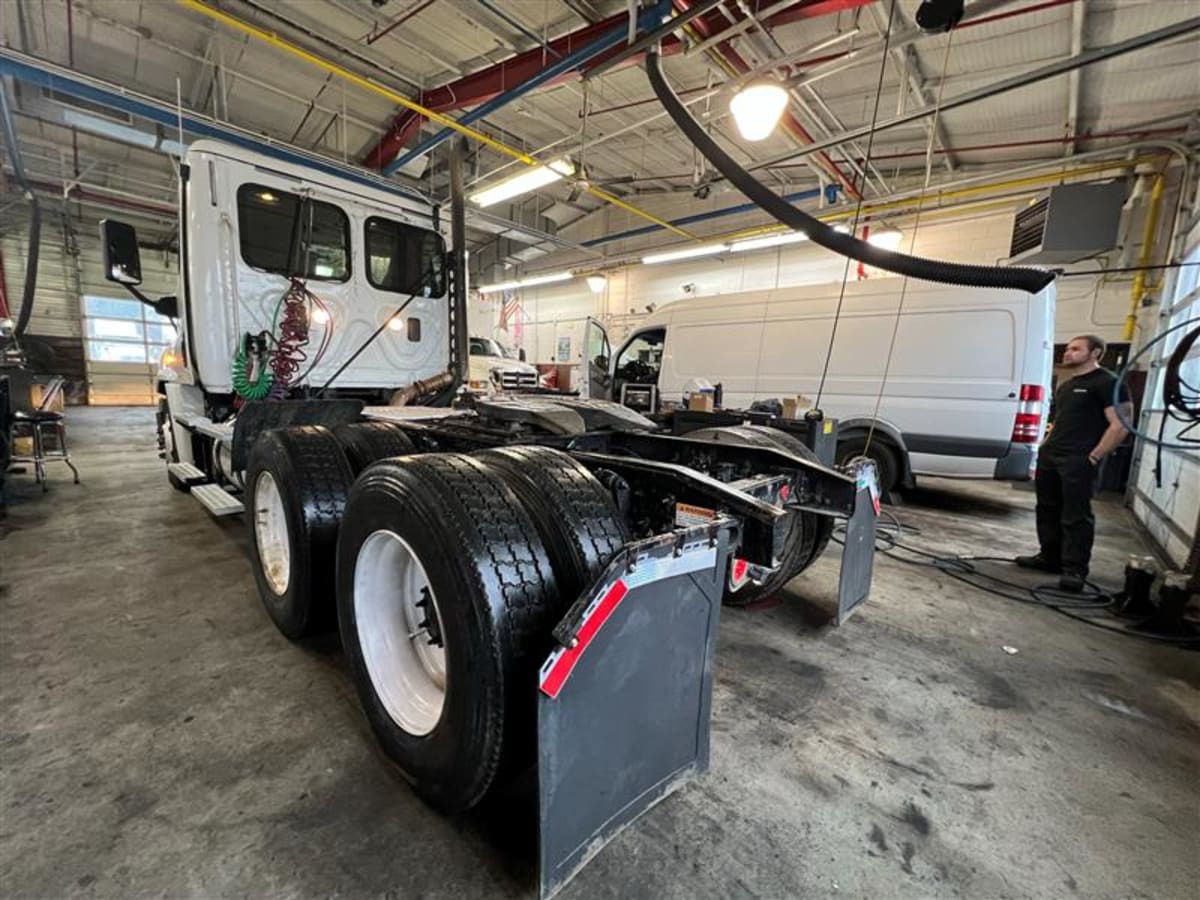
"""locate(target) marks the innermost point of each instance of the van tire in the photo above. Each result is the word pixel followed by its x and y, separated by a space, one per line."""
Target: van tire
pixel 497 603
pixel 368 442
pixel 881 452
pixel 823 525
pixel 809 532
pixel 574 514
pixel 305 470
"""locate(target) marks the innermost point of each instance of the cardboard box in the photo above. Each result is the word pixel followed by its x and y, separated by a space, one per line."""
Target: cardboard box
pixel 701 403
pixel 796 407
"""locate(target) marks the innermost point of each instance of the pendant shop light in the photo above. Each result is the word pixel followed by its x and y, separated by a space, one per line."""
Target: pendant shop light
pixel 529 180
pixel 757 107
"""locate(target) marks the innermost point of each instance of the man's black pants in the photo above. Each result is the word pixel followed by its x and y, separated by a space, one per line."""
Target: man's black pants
pixel 1065 524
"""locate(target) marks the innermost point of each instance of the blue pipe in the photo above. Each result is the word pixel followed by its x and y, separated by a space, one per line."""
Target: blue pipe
pixel 648 19
pixel 166 115
pixel 705 216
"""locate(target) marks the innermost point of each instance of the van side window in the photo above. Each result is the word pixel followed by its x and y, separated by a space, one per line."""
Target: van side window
pixel 404 258
pixel 287 234
pixel 640 360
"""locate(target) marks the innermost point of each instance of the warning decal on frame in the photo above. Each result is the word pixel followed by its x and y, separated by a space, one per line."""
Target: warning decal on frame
pixel 687 515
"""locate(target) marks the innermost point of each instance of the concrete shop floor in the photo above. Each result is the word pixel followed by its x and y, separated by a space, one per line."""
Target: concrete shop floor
pixel 159 738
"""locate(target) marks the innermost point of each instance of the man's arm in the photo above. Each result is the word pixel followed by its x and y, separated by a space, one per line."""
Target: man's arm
pixel 1113 435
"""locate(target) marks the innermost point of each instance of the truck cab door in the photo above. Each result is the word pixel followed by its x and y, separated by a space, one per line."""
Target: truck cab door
pixel 597 355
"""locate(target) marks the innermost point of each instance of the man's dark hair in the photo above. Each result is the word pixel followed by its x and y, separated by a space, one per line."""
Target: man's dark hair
pixel 1094 343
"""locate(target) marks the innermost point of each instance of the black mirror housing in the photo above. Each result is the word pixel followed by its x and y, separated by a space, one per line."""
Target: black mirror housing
pixel 122 262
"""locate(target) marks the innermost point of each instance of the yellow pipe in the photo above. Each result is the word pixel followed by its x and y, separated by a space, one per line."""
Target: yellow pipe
pixel 876 208
pixel 1138 291
pixel 333 68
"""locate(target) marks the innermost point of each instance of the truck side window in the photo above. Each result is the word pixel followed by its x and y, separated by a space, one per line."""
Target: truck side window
pixel 640 360
pixel 404 258
pixel 280 232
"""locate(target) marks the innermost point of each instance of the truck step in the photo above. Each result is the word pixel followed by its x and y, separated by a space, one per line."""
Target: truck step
pixel 217 500
pixel 184 475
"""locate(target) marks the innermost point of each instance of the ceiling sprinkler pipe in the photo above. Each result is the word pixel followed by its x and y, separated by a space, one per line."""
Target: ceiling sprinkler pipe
pixel 1026 279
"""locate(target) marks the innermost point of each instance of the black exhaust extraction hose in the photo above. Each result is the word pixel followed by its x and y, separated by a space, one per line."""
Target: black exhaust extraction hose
pixel 35 215
pixel 1021 278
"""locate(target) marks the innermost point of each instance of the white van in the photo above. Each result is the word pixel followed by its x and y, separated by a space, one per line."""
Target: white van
pixel 964 394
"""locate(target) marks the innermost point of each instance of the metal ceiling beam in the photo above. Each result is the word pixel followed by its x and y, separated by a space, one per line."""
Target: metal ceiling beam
pixel 908 67
pixel 480 87
pixel 1075 87
pixel 735 65
pixel 1033 76
pixel 565 65
pixel 782 13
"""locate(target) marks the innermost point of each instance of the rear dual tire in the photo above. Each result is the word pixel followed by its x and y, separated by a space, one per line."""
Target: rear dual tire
pixel 471 543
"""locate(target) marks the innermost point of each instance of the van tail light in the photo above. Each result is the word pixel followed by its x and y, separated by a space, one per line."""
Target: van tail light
pixel 1028 421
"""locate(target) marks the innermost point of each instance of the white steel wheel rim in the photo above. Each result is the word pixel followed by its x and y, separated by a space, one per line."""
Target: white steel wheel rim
pixel 392 598
pixel 271 533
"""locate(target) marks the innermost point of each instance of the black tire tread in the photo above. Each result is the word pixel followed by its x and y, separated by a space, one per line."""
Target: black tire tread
pixel 574 514
pixel 319 483
pixel 492 543
pixel 368 442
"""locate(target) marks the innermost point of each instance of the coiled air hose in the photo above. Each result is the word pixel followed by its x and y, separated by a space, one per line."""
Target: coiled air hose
pixel 1021 278
pixel 260 386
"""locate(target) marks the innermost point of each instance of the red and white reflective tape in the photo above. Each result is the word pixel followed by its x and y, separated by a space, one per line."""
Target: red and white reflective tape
pixel 558 666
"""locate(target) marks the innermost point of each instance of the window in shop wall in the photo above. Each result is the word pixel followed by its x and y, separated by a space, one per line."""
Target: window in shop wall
pixel 121 330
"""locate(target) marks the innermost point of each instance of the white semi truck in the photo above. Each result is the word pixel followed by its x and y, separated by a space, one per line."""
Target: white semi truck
pixel 489 565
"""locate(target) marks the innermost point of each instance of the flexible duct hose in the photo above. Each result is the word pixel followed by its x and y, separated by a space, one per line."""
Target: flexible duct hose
pixel 35 215
pixel 1021 278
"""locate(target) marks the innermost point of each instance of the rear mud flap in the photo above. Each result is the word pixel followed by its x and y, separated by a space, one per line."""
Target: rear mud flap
pixel 858 551
pixel 624 705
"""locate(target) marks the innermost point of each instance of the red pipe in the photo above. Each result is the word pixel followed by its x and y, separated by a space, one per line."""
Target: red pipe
pixel 481 86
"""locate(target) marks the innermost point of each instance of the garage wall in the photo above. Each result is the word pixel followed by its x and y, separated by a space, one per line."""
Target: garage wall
pixel 54 330
pixel 122 383
pixel 69 268
pixel 1085 305
pixel 1168 505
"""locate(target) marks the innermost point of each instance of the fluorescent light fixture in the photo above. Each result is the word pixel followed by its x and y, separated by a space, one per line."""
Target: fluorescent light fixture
pixel 529 180
pixel 841 228
pixel 757 107
pixel 886 238
pixel 597 283
pixel 685 253
pixel 771 240
pixel 531 281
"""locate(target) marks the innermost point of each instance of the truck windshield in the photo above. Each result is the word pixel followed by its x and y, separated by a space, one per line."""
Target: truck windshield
pixel 486 347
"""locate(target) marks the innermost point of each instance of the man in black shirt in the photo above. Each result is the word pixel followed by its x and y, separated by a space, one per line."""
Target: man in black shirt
pixel 1086 429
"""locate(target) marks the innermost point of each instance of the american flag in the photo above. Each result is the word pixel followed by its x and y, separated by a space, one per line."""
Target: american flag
pixel 512 313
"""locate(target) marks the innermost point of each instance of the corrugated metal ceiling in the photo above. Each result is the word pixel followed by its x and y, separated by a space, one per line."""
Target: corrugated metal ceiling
pixel 148 45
